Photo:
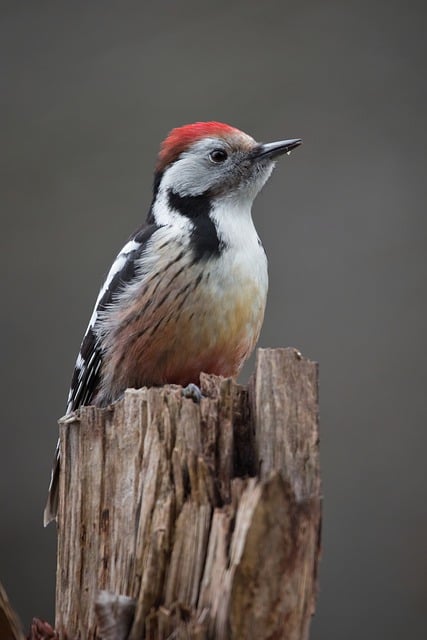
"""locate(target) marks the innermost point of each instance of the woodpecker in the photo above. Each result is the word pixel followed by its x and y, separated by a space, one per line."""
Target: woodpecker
pixel 187 292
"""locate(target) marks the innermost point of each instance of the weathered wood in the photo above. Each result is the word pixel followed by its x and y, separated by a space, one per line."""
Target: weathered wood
pixel 206 517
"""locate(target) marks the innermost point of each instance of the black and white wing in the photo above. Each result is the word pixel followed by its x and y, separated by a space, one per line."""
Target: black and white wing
pixel 87 370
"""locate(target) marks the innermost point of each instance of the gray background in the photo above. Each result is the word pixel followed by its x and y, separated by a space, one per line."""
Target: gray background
pixel 88 90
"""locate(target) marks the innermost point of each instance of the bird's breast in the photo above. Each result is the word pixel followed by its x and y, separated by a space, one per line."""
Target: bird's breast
pixel 186 318
pixel 228 313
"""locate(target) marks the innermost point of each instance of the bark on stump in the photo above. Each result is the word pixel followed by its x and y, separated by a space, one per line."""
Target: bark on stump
pixel 193 521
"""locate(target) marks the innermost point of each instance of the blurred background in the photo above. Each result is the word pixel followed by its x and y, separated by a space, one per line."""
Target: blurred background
pixel 88 91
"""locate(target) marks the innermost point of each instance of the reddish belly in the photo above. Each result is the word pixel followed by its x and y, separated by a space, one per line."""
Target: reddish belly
pixel 214 332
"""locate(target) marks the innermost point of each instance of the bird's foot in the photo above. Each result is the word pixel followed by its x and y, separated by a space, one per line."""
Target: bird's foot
pixel 193 392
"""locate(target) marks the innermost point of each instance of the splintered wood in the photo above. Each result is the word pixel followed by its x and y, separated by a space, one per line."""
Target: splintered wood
pixel 196 521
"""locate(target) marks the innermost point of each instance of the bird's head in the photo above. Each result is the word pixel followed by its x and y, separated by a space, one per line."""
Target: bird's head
pixel 206 179
pixel 215 160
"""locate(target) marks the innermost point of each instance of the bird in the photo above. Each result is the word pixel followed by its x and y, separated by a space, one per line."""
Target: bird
pixel 187 292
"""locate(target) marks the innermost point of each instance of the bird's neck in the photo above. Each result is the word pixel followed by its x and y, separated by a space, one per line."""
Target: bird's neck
pixel 211 224
pixel 233 222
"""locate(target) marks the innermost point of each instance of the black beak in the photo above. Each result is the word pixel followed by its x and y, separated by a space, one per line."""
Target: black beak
pixel 274 149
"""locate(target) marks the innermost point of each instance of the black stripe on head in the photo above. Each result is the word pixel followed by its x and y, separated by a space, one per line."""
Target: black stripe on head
pixel 204 238
pixel 158 175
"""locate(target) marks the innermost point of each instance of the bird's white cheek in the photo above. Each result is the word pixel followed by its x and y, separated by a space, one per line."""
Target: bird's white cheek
pixel 188 177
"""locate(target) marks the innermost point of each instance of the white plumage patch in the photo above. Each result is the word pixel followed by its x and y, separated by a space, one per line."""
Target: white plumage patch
pixel 116 267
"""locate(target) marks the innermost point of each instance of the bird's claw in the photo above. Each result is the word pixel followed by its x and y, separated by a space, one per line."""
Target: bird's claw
pixel 193 392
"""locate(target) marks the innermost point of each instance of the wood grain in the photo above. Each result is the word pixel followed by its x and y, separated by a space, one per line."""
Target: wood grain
pixel 206 517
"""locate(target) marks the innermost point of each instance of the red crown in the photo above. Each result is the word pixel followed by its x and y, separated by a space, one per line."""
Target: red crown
pixel 180 138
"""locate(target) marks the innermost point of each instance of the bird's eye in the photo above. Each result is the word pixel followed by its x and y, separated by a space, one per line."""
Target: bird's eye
pixel 218 155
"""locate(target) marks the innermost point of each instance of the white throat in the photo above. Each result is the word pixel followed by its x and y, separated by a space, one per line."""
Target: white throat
pixel 233 220
pixel 243 257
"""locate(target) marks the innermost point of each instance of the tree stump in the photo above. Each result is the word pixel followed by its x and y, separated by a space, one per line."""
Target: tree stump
pixel 196 521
